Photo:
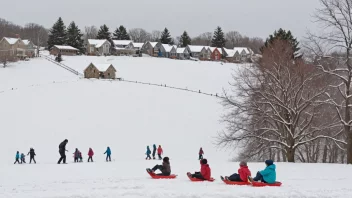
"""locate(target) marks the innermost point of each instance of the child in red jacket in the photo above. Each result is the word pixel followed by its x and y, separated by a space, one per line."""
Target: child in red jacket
pixel 205 172
pixel 243 173
pixel 90 154
pixel 160 152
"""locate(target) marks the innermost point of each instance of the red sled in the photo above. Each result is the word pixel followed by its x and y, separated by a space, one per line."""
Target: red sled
pixel 261 184
pixel 237 183
pixel 198 180
pixel 155 176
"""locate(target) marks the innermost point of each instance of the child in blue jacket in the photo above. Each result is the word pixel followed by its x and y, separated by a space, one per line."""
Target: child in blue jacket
pixel 17 158
pixel 108 154
pixel 148 153
pixel 23 158
pixel 268 175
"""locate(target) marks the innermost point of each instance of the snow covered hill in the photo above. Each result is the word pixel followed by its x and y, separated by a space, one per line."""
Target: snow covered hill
pixel 51 104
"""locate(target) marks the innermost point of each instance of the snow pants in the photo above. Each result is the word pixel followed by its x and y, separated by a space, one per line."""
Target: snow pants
pixel 17 161
pixel 108 157
pixel 200 157
pixel 198 175
pixel 161 168
pixel 32 158
pixel 76 159
pixel 62 158
pixel 23 160
pixel 90 158
pixel 235 177
pixel 154 151
pixel 259 177
pixel 148 156
pixel 160 158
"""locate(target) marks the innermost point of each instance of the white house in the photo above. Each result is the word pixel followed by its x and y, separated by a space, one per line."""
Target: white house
pixel 98 47
pixel 182 53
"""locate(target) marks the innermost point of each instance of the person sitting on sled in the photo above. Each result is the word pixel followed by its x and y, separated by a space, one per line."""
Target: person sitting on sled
pixel 148 153
pixel 243 173
pixel 201 153
pixel 23 158
pixel 205 172
pixel 160 152
pixel 268 175
pixel 165 168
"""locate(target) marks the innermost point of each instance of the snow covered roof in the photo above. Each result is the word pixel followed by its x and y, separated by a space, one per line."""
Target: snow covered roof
pixel 122 42
pixel 153 44
pixel 240 49
pixel 195 48
pixel 167 47
pixel 26 42
pixel 65 47
pixel 102 67
pixel 97 42
pixel 180 50
pixel 11 41
pixel 229 52
pixel 140 45
pixel 213 48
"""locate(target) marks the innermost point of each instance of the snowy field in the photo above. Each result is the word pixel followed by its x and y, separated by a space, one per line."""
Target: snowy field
pixel 128 117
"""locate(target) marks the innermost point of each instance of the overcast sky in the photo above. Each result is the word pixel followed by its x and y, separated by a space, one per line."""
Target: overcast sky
pixel 250 17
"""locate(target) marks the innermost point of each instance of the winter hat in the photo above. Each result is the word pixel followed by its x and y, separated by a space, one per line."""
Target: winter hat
pixel 204 161
pixel 243 163
pixel 166 159
pixel 269 162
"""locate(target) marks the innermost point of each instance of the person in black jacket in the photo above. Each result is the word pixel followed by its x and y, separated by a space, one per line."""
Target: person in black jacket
pixel 62 150
pixel 31 154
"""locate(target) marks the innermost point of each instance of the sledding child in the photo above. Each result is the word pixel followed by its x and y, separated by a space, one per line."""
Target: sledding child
pixel 160 152
pixel 23 158
pixel 90 154
pixel 205 172
pixel 154 151
pixel 76 155
pixel 17 158
pixel 31 154
pixel 148 153
pixel 268 175
pixel 165 168
pixel 201 153
pixel 243 173
pixel 108 154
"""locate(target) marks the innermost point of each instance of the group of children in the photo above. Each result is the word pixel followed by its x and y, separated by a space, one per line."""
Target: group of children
pixel 22 157
pixel 155 150
pixel 268 175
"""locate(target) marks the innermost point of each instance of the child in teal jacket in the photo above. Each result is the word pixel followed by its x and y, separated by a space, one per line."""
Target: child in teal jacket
pixel 268 175
pixel 17 158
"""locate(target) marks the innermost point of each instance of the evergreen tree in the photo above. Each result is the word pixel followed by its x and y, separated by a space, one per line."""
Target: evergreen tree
pixel 104 33
pixel 166 37
pixel 284 35
pixel 57 34
pixel 185 39
pixel 74 37
pixel 121 34
pixel 218 38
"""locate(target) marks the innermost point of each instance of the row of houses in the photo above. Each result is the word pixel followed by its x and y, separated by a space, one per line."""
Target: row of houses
pixel 16 48
pixel 97 47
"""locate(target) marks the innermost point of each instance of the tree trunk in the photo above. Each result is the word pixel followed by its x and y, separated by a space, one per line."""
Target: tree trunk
pixel 325 153
pixel 349 148
pixel 290 155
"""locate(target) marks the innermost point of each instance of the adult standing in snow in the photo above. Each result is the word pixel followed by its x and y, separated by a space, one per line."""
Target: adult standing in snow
pixel 148 153
pixel 90 154
pixel 160 152
pixel 108 154
pixel 201 153
pixel 31 154
pixel 154 150
pixel 62 150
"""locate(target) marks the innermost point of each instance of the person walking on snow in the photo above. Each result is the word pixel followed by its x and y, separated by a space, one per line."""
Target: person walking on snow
pixel 160 152
pixel 23 158
pixel 148 153
pixel 154 150
pixel 201 153
pixel 76 155
pixel 108 154
pixel 62 150
pixel 17 158
pixel 31 154
pixel 90 154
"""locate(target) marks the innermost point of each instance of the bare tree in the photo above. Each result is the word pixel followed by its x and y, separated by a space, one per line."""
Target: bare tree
pixel 233 38
pixel 155 36
pixel 203 39
pixel 336 18
pixel 90 32
pixel 139 35
pixel 276 104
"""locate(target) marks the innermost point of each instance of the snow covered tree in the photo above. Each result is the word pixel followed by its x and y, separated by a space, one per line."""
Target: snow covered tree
pixel 284 35
pixel 75 37
pixel 275 106
pixel 104 33
pixel 57 34
pixel 185 39
pixel 121 34
pixel 218 38
pixel 166 37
